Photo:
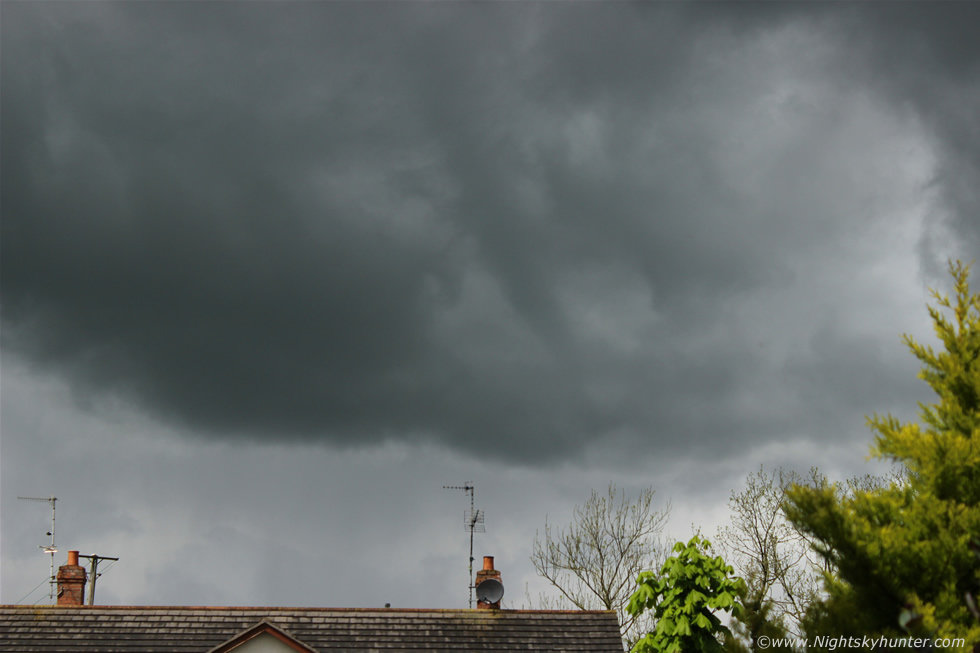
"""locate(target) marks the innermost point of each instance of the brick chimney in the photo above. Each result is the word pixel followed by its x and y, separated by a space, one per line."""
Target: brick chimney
pixel 485 574
pixel 71 582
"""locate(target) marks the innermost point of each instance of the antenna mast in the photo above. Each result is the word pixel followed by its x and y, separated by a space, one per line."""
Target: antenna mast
pixel 52 548
pixel 472 521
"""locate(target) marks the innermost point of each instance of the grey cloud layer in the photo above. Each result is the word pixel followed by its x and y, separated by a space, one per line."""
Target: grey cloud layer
pixel 536 223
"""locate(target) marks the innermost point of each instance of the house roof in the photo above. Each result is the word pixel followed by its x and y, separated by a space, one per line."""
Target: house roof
pixel 201 629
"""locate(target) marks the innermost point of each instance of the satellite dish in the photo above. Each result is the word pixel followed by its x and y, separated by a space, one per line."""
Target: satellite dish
pixel 490 591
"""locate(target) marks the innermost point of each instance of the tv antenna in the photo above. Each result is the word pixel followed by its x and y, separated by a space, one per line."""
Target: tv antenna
pixel 51 549
pixel 472 521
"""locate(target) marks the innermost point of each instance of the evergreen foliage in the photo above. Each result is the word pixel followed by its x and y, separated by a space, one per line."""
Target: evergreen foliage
pixel 905 548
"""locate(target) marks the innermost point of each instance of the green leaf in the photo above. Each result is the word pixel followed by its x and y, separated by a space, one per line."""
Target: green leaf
pixel 682 627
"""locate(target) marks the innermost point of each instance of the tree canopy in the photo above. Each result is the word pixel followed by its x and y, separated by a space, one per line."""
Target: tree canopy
pixel 771 554
pixel 594 561
pixel 691 586
pixel 902 553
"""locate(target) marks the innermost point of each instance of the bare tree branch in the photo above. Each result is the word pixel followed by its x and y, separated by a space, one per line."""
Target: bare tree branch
pixel 594 561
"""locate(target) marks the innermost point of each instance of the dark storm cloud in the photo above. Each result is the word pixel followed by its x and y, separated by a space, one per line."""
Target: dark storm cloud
pixel 353 222
pixel 932 59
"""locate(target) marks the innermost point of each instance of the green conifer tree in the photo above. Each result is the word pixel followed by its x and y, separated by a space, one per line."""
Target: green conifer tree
pixel 905 548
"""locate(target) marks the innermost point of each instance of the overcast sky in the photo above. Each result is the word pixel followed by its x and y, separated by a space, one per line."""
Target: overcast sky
pixel 274 273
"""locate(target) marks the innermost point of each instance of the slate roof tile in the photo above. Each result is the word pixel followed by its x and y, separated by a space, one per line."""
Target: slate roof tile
pixel 29 629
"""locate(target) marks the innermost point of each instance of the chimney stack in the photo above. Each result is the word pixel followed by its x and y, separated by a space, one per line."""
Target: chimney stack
pixel 71 582
pixel 487 573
